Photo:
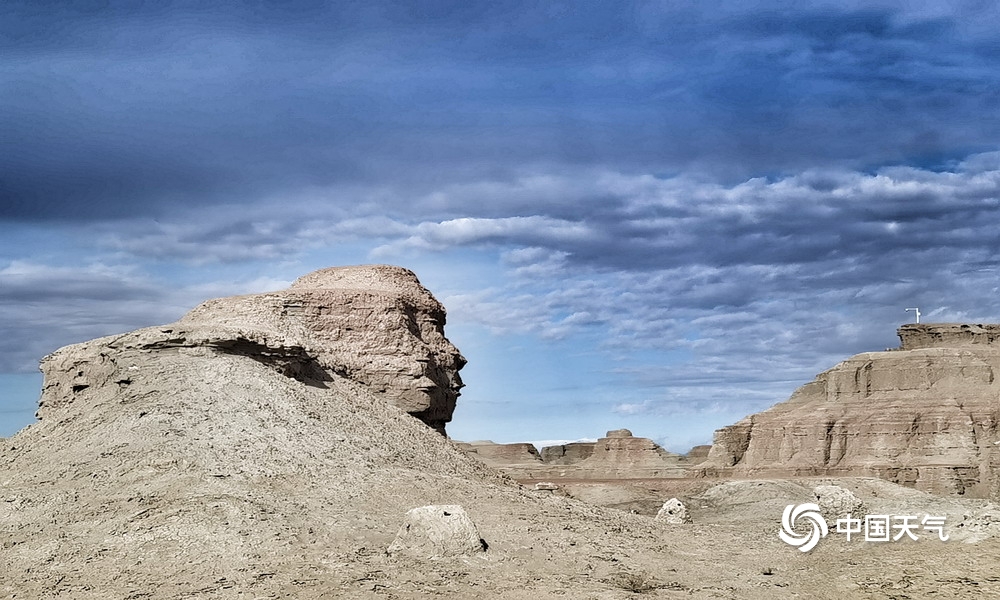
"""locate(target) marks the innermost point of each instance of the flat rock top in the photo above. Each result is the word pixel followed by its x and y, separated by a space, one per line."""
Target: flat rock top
pixel 619 433
pixel 948 335
pixel 382 278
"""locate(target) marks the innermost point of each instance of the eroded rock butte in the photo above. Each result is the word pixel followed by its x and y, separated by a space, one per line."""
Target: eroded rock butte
pixel 925 415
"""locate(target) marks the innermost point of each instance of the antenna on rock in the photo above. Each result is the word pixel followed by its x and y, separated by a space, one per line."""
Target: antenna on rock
pixel 917 311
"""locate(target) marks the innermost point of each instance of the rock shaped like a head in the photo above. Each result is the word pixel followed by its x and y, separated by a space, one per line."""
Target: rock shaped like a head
pixel 374 324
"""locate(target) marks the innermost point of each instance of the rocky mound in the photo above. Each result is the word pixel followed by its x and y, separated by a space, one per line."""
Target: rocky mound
pixel 257 448
pixel 925 416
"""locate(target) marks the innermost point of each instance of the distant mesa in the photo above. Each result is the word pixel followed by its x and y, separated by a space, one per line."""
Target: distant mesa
pixel 925 415
pixel 617 455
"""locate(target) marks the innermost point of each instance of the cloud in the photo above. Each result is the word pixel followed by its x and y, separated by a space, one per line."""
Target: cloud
pixel 467 231
pixel 140 112
pixel 691 286
pixel 739 293
pixel 44 307
pixel 721 198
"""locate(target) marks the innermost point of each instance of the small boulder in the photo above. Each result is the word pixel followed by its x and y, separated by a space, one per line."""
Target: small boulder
pixel 435 531
pixel 673 512
pixel 836 502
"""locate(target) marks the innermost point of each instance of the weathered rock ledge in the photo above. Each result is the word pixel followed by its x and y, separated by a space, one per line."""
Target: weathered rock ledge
pixel 926 415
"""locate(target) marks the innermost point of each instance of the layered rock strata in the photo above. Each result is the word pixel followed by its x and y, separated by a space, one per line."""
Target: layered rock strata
pixel 926 415
pixel 517 460
pixel 618 455
pixel 375 325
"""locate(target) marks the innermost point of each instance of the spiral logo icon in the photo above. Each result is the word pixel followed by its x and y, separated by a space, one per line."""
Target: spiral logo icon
pixel 808 512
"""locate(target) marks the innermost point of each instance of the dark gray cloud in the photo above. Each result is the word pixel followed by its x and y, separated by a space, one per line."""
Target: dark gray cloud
pixel 124 109
pixel 44 307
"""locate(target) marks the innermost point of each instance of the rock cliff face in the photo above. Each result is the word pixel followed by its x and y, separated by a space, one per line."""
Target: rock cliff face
pixel 567 454
pixel 926 415
pixel 618 455
pixel 517 460
pixel 375 325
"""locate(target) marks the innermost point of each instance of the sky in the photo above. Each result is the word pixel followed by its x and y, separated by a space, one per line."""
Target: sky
pixel 663 216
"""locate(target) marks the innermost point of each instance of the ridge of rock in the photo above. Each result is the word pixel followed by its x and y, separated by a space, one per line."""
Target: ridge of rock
pixel 925 415
pixel 617 455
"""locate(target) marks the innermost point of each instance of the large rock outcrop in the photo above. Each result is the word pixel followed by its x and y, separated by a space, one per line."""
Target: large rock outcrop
pixel 620 455
pixel 252 450
pixel 926 415
pixel 375 325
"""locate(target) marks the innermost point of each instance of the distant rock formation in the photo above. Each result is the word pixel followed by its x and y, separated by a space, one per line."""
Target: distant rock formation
pixel 926 415
pixel 375 325
pixel 698 454
pixel 568 454
pixel 517 460
pixel 618 455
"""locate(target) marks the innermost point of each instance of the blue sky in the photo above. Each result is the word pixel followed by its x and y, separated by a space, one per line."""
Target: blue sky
pixel 654 215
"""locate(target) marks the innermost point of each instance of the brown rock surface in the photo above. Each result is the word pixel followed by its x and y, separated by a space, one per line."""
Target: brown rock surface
pixel 698 454
pixel 375 325
pixel 618 455
pixel 567 454
pixel 517 459
pixel 926 415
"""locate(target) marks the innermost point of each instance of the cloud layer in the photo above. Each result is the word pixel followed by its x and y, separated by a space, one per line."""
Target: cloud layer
pixel 684 211
pixel 128 109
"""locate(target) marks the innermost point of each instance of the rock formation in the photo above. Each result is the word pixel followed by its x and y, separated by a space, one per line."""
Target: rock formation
pixel 503 454
pixel 252 450
pixel 567 454
pixel 618 455
pixel 836 502
pixel 437 531
pixel 673 512
pixel 698 454
pixel 519 460
pixel 925 415
pixel 375 325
